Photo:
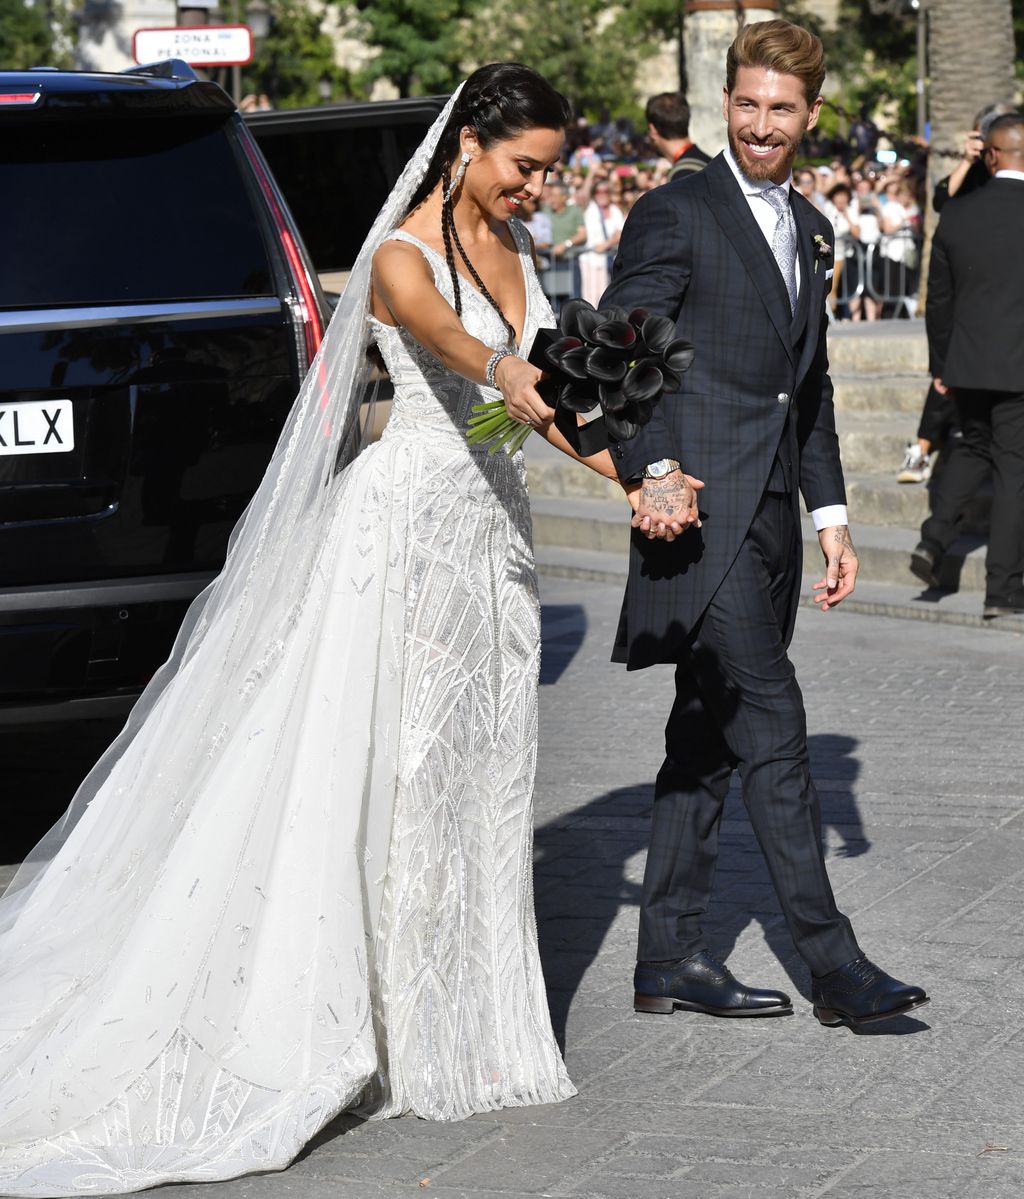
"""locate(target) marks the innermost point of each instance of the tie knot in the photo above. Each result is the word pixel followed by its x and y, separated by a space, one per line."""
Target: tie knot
pixel 777 196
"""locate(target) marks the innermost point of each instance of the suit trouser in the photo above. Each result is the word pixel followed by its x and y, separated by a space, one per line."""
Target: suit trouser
pixel 738 705
pixel 992 424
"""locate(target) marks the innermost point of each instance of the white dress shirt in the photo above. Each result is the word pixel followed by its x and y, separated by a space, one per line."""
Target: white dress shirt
pixel 764 214
pixel 1009 175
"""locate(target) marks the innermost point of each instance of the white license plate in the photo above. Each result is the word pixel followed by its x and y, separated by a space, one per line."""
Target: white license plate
pixel 42 427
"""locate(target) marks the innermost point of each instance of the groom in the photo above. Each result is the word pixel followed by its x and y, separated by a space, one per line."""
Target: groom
pixel 741 262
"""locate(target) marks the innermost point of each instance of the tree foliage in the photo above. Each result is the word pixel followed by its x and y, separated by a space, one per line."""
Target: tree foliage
pixel 32 35
pixel 295 64
pixel 419 43
pixel 587 49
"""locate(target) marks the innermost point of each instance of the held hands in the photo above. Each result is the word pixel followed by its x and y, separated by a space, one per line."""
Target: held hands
pixel 841 566
pixel 665 508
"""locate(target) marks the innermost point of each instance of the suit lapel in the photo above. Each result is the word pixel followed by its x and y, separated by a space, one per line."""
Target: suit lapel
pixel 813 285
pixel 732 212
pixel 808 276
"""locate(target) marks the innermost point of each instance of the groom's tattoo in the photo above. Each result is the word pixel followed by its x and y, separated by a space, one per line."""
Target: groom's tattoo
pixel 665 495
pixel 842 541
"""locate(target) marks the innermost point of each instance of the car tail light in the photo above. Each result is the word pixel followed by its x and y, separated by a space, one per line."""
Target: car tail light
pixel 22 98
pixel 305 307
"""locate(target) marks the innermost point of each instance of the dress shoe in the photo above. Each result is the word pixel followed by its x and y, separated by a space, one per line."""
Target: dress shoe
pixel 859 993
pixel 924 564
pixel 701 984
pixel 1011 605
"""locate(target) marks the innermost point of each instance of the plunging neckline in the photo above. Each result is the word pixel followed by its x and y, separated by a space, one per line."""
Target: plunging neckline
pixel 403 234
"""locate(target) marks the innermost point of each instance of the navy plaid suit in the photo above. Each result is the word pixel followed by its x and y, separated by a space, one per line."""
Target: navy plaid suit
pixel 754 420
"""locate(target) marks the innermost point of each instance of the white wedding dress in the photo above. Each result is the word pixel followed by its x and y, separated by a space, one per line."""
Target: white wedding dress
pixel 335 908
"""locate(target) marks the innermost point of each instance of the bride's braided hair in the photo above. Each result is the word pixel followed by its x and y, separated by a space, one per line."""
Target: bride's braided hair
pixel 499 101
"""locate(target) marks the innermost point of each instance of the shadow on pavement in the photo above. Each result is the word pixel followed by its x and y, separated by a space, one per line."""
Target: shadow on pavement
pixel 582 879
pixel 562 630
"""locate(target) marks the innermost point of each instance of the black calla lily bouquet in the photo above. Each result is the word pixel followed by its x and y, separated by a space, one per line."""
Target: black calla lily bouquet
pixel 608 358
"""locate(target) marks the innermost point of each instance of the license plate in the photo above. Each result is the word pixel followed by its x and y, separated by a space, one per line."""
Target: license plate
pixel 42 427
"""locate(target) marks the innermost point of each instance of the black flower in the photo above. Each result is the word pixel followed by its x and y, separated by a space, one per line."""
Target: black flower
pixel 622 361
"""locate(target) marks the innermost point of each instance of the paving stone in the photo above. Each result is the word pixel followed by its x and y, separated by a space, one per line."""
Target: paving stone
pixel 914 730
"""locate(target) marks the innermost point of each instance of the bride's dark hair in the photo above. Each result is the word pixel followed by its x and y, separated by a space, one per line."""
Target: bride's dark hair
pixel 499 101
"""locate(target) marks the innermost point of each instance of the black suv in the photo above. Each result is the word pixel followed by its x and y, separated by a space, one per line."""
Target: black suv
pixel 158 311
pixel 336 165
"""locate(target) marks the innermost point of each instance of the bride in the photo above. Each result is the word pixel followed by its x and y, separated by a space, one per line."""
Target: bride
pixel 300 879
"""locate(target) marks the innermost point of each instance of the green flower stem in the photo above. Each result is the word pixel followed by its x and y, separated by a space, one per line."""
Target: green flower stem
pixel 491 425
pixel 504 438
pixel 488 429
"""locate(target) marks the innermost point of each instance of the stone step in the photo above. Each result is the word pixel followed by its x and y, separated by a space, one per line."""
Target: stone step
pixel 872 444
pixel 903 599
pixel 574 526
pixel 879 500
pixel 874 498
pixel 880 394
pixel 878 347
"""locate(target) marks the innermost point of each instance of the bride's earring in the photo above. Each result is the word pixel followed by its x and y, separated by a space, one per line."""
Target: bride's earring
pixel 457 179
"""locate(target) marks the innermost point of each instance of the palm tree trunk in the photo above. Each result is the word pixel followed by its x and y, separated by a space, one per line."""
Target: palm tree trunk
pixel 970 65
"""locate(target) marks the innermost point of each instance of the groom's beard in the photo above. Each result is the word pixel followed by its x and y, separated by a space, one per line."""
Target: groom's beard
pixel 760 170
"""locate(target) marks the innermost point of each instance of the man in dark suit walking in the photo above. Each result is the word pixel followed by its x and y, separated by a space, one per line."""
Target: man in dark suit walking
pixel 975 302
pixel 741 263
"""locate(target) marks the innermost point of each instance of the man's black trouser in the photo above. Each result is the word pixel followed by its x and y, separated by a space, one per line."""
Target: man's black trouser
pixel 738 706
pixel 992 443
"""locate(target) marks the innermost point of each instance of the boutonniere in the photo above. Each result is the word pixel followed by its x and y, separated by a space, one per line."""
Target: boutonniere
pixel 822 250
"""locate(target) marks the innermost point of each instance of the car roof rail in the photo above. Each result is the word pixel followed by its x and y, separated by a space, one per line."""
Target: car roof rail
pixel 170 68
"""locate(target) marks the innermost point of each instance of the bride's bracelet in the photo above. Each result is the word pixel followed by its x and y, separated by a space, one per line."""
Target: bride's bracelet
pixel 492 365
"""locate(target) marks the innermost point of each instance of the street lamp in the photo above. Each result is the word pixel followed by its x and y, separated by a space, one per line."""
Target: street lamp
pixel 257 17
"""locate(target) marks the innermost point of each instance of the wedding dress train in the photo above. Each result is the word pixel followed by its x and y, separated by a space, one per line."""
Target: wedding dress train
pixel 323 897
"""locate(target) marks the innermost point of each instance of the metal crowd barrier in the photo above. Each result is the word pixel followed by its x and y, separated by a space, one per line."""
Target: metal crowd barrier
pixel 560 281
pixel 891 281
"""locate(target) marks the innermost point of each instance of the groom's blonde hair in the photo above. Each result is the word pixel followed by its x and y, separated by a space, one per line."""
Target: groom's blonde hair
pixel 778 46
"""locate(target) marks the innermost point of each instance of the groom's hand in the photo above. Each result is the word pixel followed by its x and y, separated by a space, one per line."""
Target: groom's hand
pixel 667 507
pixel 841 566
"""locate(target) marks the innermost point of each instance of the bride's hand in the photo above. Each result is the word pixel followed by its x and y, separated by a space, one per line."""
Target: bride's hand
pixel 517 381
pixel 632 491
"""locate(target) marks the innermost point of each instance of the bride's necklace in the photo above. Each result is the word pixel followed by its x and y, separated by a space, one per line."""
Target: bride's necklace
pixel 451 234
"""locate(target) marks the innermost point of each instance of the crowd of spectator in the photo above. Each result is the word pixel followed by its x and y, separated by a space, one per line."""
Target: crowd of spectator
pixel 873 197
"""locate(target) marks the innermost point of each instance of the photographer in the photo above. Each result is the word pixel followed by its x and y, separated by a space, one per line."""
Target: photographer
pixel 969 173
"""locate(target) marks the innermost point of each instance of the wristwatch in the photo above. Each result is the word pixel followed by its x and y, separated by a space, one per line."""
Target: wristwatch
pixel 661 468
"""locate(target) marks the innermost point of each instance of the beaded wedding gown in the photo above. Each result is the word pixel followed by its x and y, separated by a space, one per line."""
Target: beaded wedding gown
pixel 332 906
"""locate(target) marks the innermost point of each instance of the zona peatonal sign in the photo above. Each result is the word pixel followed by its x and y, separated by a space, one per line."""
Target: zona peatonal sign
pixel 198 45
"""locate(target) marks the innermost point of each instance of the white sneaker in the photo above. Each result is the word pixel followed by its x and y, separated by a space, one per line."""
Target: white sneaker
pixel 917 465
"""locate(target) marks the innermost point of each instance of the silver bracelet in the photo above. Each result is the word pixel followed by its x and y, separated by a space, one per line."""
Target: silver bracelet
pixel 492 365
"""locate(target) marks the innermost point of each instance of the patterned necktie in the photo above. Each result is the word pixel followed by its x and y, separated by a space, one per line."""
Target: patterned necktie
pixel 784 238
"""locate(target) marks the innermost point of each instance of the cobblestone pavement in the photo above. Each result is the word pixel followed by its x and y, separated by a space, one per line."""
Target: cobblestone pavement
pixel 916 733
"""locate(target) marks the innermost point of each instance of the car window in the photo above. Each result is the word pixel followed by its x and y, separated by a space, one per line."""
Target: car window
pixel 126 210
pixel 336 181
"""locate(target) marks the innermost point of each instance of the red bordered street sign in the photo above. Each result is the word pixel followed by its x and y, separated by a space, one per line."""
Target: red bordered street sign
pixel 198 45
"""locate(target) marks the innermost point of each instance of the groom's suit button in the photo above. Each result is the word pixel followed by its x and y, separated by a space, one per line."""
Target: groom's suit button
pixel 783 397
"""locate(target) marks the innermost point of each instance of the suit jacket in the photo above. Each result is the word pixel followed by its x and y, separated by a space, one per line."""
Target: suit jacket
pixel 976 290
pixel 757 398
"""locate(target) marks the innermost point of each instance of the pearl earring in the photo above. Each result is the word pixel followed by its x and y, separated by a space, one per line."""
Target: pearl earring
pixel 463 163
